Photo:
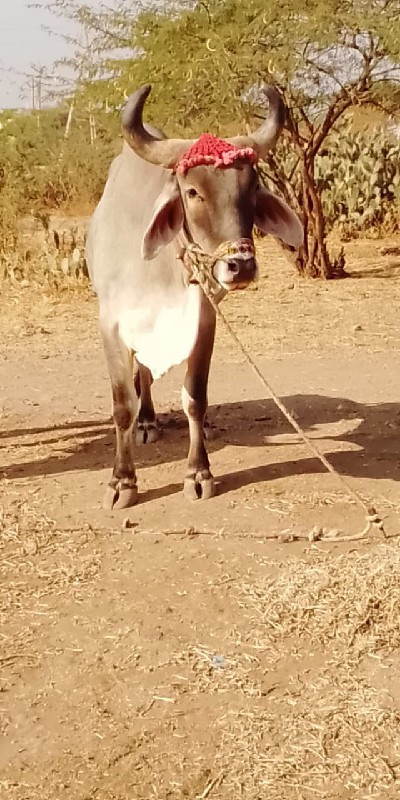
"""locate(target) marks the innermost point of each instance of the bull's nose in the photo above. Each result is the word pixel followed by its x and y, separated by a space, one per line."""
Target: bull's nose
pixel 234 267
pixel 238 267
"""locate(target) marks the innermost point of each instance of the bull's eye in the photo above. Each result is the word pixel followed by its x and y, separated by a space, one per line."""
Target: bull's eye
pixel 192 193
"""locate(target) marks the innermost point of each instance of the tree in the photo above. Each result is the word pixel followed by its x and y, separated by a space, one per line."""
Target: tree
pixel 207 60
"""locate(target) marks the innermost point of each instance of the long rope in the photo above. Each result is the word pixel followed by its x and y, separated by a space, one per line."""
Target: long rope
pixel 201 266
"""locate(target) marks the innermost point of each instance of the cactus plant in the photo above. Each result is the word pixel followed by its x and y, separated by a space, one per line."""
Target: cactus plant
pixel 359 176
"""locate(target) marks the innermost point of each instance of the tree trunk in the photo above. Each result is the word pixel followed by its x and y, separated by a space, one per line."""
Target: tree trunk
pixel 313 259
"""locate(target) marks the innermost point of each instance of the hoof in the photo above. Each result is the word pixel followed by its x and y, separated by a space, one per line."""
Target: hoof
pixel 120 496
pixel 199 487
pixel 147 432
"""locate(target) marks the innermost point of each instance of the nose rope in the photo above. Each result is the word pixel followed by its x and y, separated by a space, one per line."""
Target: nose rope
pixel 200 266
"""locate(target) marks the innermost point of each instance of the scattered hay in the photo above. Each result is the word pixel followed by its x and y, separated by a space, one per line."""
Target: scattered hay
pixel 351 600
pixel 28 541
pixel 208 672
pixel 334 738
pixel 37 560
pixel 322 731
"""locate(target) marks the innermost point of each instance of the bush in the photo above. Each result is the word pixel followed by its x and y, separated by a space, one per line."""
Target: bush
pixel 41 172
pixel 358 176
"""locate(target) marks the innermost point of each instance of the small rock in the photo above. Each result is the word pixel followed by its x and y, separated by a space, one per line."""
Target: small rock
pixel 219 662
pixel 316 533
pixel 357 328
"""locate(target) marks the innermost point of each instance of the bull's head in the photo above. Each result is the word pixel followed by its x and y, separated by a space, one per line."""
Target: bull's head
pixel 213 205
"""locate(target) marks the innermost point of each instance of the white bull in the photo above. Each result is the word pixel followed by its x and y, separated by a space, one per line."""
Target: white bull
pixel 151 316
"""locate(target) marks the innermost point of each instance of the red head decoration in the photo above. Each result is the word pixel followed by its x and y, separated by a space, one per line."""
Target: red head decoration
pixel 208 149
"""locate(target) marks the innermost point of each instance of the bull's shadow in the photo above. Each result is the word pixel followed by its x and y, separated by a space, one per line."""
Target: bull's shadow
pixel 375 429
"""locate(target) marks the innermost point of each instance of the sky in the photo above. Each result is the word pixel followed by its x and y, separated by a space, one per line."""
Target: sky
pixel 23 42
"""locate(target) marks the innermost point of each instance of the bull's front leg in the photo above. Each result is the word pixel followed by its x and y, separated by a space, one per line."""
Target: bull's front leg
pixel 122 489
pixel 199 482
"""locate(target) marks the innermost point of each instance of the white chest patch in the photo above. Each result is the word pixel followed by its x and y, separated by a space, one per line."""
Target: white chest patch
pixel 163 333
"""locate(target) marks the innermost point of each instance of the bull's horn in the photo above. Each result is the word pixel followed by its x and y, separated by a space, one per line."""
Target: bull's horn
pixel 164 152
pixel 267 134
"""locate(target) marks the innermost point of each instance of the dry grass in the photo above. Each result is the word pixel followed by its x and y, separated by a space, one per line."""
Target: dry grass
pixel 28 543
pixel 322 729
pixel 352 600
pixel 37 559
pixel 207 672
pixel 331 737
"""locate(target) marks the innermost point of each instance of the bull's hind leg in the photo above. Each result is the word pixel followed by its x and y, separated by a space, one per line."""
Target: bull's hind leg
pixel 122 488
pixel 147 429
pixel 199 482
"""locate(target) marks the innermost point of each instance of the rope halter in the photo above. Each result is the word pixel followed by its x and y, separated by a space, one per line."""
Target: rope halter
pixel 200 265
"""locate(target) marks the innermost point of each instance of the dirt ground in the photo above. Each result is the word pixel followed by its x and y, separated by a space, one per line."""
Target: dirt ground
pixel 191 652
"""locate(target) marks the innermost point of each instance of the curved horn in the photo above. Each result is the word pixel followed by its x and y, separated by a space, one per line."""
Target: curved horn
pixel 164 152
pixel 267 134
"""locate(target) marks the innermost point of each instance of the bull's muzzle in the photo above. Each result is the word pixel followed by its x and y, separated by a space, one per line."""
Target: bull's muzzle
pixel 236 272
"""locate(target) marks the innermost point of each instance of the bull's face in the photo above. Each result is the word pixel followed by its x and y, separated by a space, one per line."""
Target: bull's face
pixel 221 205
pixel 213 205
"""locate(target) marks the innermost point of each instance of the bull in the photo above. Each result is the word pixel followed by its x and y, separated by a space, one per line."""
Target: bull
pixel 156 201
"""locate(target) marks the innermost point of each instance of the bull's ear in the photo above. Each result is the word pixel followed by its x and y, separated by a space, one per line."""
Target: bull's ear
pixel 274 216
pixel 166 222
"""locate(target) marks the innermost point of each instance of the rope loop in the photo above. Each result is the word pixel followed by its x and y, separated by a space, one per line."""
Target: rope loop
pixel 200 265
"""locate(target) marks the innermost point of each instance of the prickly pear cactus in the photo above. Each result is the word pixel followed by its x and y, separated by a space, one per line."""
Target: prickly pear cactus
pixel 358 175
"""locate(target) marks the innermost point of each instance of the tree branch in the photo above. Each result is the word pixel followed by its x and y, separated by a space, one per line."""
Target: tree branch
pixel 334 112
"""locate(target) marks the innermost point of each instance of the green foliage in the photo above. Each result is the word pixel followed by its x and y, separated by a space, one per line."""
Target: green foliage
pixel 359 177
pixel 204 57
pixel 40 171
